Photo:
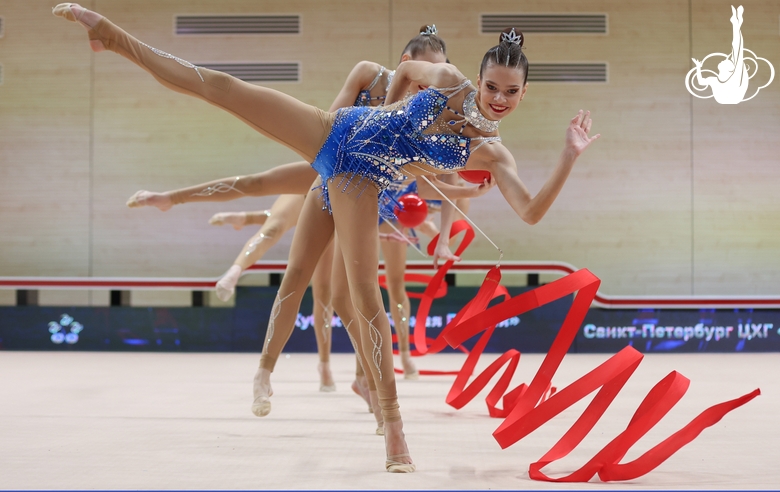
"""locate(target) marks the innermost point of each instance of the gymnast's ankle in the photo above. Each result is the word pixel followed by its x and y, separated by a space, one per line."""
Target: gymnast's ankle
pixel 374 403
pixel 262 391
pixel 398 458
pixel 410 370
pixel 236 219
pixel 360 387
pixel 76 13
pixel 226 286
pixel 327 385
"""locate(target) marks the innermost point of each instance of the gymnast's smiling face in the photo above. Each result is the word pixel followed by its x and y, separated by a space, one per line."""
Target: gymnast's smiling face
pixel 500 90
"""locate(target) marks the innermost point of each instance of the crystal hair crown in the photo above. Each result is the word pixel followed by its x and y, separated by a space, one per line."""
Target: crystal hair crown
pixel 430 31
pixel 512 37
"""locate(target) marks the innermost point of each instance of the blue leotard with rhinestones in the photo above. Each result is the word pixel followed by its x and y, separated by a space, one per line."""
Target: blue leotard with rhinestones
pixel 374 144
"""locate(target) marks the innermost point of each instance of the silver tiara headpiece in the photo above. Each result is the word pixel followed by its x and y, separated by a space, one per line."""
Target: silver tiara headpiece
pixel 512 37
pixel 430 31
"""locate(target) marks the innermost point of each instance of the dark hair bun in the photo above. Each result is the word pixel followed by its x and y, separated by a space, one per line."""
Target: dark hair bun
pixel 511 35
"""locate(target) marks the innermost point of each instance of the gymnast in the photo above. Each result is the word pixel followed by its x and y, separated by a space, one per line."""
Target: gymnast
pixel 448 126
pixel 366 85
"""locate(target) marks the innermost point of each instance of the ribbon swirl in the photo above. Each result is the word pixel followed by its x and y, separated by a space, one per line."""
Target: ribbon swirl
pixel 527 407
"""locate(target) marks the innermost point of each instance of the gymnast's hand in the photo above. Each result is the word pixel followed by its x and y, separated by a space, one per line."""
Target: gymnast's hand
pixel 443 252
pixel 477 191
pixel 577 138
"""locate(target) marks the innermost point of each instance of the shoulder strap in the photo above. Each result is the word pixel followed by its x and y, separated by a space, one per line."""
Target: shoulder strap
pixel 451 91
pixel 483 141
pixel 376 79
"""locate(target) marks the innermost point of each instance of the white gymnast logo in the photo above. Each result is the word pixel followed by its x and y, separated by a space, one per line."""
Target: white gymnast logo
pixel 735 70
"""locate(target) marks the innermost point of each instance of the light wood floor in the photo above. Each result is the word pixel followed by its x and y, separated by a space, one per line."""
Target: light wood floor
pixel 182 421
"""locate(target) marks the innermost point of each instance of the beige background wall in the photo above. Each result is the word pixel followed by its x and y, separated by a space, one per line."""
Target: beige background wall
pixel 678 197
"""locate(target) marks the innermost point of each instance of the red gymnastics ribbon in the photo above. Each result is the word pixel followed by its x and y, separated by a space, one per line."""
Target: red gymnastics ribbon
pixel 527 407
pixel 435 289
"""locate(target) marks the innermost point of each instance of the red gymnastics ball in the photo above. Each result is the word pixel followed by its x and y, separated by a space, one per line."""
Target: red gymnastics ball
pixel 412 211
pixel 475 177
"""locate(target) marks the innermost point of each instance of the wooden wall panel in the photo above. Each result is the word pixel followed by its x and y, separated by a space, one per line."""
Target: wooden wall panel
pixel 736 163
pixel 44 144
pixel 150 137
pixel 676 198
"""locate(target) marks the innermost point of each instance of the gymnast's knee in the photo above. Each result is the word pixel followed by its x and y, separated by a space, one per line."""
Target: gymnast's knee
pixel 218 80
pixel 273 228
pixel 321 289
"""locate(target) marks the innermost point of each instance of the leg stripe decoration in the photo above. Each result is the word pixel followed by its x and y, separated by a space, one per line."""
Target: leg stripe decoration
pixel 326 320
pixel 222 188
pixel 275 310
pixel 252 247
pixel 376 339
pixel 178 60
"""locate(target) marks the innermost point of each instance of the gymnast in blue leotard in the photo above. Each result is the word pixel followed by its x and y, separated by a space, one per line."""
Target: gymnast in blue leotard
pixel 449 125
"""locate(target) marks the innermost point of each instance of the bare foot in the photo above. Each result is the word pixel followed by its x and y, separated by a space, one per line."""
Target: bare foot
pixel 360 387
pixel 410 370
pixel 236 219
pixel 398 459
pixel 262 391
pixel 226 286
pixel 76 13
pixel 145 198
pixel 380 421
pixel 327 385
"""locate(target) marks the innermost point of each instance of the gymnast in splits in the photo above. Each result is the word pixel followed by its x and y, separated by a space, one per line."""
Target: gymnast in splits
pixel 448 126
pixel 366 85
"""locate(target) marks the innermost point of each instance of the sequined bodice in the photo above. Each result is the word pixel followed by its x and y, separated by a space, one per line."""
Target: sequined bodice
pixel 384 144
pixel 399 136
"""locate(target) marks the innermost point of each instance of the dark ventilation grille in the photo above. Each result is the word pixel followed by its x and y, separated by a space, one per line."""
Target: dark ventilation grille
pixel 260 72
pixel 567 72
pixel 546 23
pixel 238 24
pixel 2 27
pixel 1 74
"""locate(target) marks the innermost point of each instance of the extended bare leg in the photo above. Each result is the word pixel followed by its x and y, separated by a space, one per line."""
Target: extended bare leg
pixel 299 126
pixel 293 179
pixel 312 236
pixel 322 310
pixel 360 384
pixel 240 219
pixel 395 268
pixel 355 215
pixel 342 302
pixel 284 216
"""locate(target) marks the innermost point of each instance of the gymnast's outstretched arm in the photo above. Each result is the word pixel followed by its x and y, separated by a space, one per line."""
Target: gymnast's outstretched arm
pixel 497 159
pixel 426 191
